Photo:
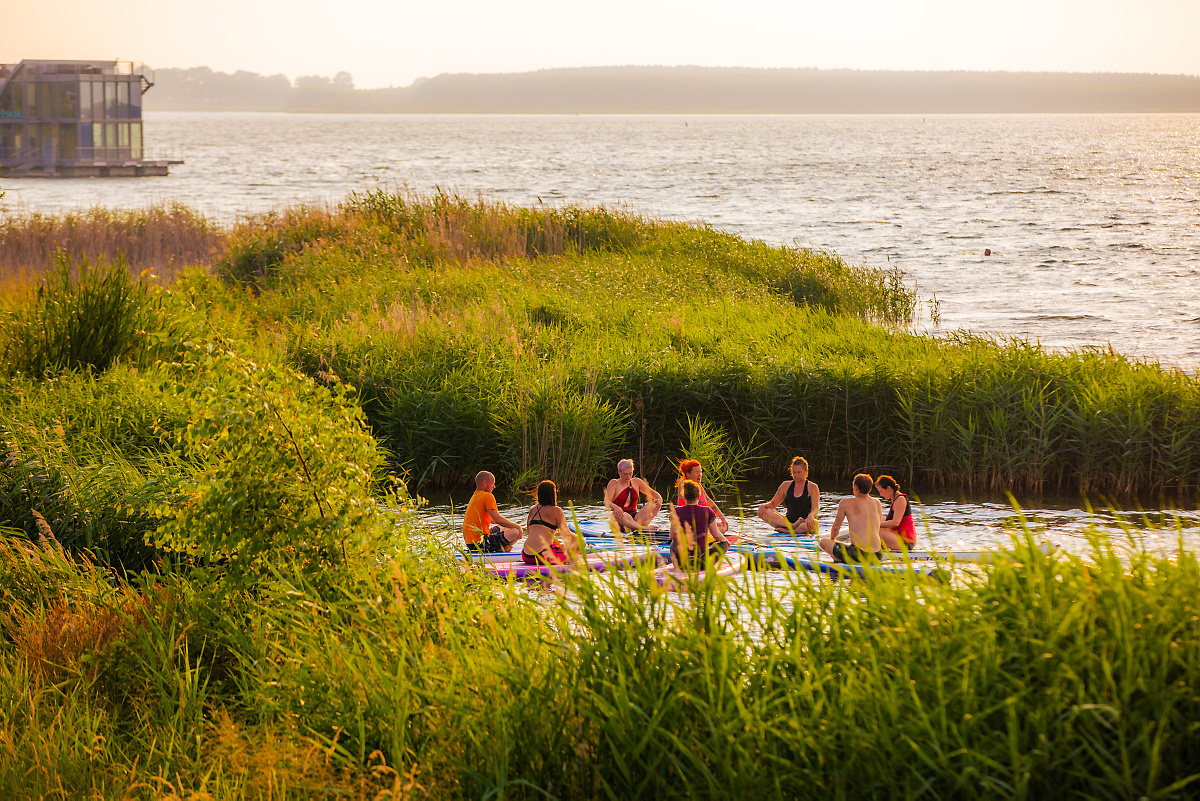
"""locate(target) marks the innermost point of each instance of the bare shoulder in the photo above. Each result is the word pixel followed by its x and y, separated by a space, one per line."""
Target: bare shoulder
pixel 812 487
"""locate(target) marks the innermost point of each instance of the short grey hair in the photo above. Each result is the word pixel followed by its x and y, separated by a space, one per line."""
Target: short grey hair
pixel 624 462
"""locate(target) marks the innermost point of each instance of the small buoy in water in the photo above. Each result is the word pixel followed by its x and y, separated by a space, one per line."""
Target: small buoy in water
pixel 987 251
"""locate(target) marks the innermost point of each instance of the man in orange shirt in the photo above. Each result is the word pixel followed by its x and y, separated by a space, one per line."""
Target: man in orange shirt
pixel 484 528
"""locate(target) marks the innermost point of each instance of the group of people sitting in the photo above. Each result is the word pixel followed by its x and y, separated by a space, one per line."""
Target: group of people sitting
pixel 698 527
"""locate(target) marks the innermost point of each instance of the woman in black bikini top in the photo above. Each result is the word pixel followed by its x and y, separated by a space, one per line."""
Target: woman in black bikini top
pixel 541 545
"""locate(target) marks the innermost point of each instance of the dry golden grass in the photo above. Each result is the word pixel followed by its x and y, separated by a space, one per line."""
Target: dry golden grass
pixel 163 238
pixel 54 642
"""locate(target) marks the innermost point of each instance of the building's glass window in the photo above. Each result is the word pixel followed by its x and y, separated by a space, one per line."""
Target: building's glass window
pixel 12 105
pixel 64 98
pixel 135 101
pixel 110 100
pixel 110 134
pixel 68 136
pixel 98 139
pixel 123 100
pixel 85 100
pixel 135 140
pixel 86 141
pixel 123 136
pixel 97 101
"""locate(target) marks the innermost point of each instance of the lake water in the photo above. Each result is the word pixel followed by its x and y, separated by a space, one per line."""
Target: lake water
pixel 958 522
pixel 1093 220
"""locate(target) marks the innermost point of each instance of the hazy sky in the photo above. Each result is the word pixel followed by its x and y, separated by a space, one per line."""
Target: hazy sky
pixel 391 42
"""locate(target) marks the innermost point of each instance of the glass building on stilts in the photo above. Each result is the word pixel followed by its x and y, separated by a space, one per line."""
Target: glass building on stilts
pixel 75 119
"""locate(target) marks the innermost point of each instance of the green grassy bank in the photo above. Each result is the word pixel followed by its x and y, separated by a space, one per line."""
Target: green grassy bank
pixel 485 335
pixel 414 679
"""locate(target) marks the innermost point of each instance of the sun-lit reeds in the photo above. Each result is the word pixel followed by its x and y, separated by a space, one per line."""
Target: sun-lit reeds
pixel 163 238
pixel 666 338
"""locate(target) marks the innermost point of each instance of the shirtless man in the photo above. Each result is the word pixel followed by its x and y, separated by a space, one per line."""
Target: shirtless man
pixel 621 498
pixel 801 499
pixel 862 514
pixel 485 530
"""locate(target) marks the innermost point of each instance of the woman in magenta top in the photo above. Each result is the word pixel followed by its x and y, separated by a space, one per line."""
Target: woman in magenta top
pixel 692 527
pixel 690 470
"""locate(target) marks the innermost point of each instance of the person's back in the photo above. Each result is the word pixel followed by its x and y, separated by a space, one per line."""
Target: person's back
pixel 545 521
pixel 862 514
pixel 484 528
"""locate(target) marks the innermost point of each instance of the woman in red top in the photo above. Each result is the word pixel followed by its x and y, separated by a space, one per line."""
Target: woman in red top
pixel 690 470
pixel 621 497
pixel 897 530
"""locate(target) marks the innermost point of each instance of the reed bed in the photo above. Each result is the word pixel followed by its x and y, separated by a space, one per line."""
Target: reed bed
pixel 164 239
pixel 665 337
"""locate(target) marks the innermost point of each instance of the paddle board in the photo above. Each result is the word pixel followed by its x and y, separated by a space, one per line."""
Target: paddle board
pixel 674 578
pixel 839 569
pixel 979 556
pixel 597 561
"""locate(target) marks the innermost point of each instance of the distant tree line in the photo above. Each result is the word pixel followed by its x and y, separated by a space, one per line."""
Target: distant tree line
pixel 688 90
pixel 201 88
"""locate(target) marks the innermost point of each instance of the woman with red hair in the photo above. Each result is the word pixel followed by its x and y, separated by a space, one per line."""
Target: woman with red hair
pixel 690 470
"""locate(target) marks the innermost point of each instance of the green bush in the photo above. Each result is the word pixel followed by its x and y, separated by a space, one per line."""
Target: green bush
pixel 85 316
pixel 287 471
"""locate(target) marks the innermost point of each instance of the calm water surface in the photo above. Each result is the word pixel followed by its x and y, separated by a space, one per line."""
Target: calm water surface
pixel 943 522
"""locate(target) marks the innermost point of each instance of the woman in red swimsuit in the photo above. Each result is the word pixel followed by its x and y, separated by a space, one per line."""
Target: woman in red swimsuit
pixel 621 498
pixel 897 530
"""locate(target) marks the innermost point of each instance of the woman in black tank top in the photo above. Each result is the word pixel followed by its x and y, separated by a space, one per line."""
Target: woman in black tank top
pixel 801 499
pixel 798 506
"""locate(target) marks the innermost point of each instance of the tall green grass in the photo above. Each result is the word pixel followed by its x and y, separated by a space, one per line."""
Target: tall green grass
pixel 1048 675
pixel 686 323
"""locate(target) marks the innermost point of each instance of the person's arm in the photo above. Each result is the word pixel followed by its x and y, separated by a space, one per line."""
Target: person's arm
pixel 777 498
pixel 713 505
pixel 609 495
pixel 810 522
pixel 677 531
pixel 899 504
pixel 500 519
pixel 715 532
pixel 648 491
pixel 567 536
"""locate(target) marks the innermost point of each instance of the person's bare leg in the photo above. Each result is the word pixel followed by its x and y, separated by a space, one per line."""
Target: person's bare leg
pixel 891 540
pixel 623 520
pixel 723 525
pixel 772 518
pixel 511 535
pixel 827 545
pixel 646 514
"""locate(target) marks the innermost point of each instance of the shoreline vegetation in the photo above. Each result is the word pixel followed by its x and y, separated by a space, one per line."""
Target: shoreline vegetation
pixel 685 90
pixel 213 585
